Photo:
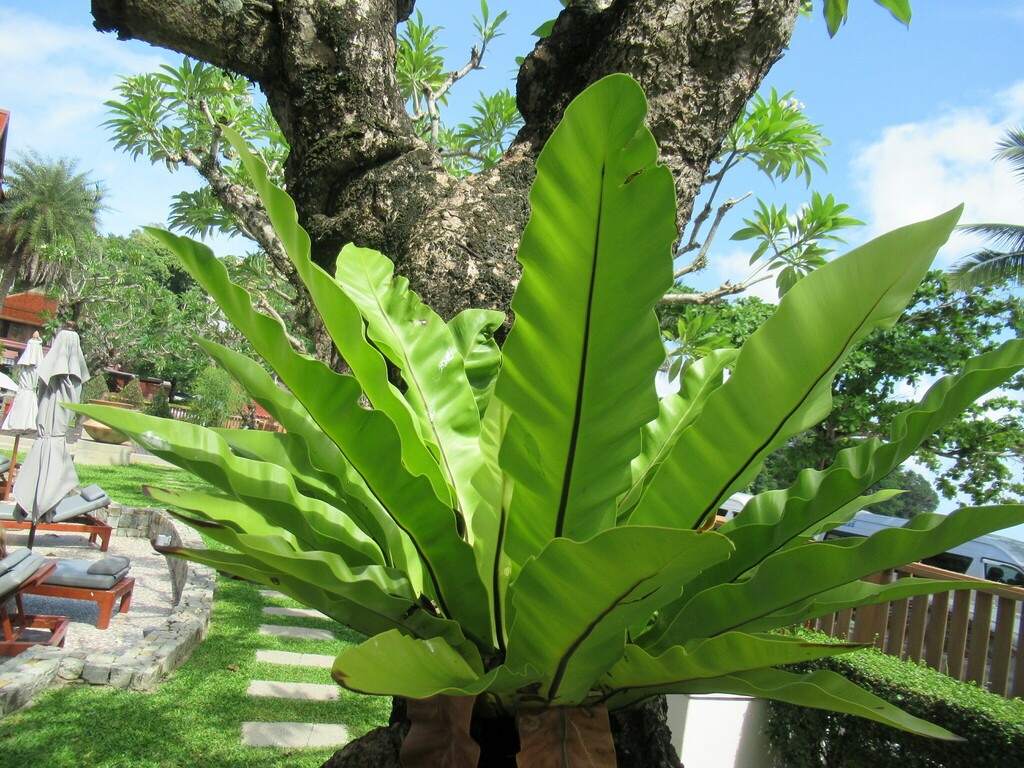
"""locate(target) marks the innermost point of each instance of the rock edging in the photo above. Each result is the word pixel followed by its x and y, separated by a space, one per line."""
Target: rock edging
pixel 160 651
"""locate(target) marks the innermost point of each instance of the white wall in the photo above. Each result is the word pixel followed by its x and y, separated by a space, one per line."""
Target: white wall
pixel 719 731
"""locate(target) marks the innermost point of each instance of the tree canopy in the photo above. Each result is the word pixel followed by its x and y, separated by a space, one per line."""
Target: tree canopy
pixel 979 454
pixel 138 310
pixel 48 220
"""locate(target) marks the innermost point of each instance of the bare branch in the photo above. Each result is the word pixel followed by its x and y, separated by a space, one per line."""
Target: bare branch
pixel 480 158
pixel 264 306
pixel 476 55
pixel 702 258
pixel 713 296
pixel 433 96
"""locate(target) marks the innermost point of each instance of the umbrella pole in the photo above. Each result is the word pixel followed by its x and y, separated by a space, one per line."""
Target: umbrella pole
pixel 31 534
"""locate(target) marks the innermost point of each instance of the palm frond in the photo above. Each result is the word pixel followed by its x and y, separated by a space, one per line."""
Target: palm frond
pixel 1011 149
pixel 988 267
pixel 1008 238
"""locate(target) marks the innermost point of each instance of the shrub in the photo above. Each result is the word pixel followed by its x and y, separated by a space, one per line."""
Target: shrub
pixel 133 394
pixel 159 406
pixel 94 389
pixel 993 727
pixel 216 398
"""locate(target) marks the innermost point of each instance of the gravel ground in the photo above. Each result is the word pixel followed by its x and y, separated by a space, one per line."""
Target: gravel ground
pixel 151 599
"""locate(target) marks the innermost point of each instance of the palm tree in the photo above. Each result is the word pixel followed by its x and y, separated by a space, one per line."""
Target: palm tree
pixel 50 213
pixel 1004 261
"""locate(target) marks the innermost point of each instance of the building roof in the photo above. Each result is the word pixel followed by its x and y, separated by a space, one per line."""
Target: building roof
pixel 28 308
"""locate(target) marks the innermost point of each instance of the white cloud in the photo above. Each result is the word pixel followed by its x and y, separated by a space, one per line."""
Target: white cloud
pixel 58 72
pixel 917 170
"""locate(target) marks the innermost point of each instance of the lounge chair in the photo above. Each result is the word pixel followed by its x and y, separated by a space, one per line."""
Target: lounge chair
pixel 103 582
pixel 72 514
pixel 5 477
pixel 19 571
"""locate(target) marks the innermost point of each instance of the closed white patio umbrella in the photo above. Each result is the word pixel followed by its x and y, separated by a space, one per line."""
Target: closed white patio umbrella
pixel 25 407
pixel 48 472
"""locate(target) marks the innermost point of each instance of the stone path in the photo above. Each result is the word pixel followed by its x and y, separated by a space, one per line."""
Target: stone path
pixel 293 735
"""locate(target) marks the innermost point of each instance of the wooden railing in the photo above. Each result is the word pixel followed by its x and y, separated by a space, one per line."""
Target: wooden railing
pixel 233 422
pixel 969 634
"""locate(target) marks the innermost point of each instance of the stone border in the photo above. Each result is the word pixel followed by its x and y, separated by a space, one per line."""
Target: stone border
pixel 160 651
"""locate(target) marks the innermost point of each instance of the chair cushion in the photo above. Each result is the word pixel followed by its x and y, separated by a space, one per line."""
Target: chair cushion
pixel 75 573
pixel 73 506
pixel 5 463
pixel 92 493
pixel 11 511
pixel 20 570
pixel 13 559
pixel 109 565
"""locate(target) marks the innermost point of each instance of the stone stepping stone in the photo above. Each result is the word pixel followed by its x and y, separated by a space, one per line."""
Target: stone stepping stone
pixel 293 735
pixel 304 691
pixel 271 593
pixel 296 659
pixel 302 633
pixel 306 613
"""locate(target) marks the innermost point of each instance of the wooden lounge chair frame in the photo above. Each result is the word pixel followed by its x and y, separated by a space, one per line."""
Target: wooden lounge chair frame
pixel 99 531
pixel 14 625
pixel 105 598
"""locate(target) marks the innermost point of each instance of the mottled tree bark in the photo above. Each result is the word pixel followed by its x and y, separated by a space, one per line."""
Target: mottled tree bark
pixel 359 173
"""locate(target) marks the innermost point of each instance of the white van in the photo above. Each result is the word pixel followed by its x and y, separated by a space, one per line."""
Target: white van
pixel 996 558
pixel 733 505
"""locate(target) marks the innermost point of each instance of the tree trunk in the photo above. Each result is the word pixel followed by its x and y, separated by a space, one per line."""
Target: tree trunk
pixel 641 735
pixel 359 173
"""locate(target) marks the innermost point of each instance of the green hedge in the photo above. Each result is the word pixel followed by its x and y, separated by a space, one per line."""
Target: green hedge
pixel 993 727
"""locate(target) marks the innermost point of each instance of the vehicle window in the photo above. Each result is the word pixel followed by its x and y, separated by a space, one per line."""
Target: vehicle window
pixel 950 562
pixel 1003 573
pixel 835 533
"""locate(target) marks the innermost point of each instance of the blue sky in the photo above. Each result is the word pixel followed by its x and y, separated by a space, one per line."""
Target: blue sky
pixel 913 114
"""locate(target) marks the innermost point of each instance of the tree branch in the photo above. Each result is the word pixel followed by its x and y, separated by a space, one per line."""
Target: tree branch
pixel 713 296
pixel 702 258
pixel 698 62
pixel 240 37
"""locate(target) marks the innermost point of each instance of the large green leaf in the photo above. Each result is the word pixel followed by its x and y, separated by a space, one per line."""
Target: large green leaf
pixel 758 543
pixel 320 465
pixel 420 344
pixel 397 665
pixel 361 603
pixel 579 362
pixel 488 520
pixel 855 595
pixel 342 318
pixel 473 331
pixel 266 488
pixel 781 382
pixel 821 689
pixel 638 674
pixel 224 511
pixel 573 603
pixel 822 499
pixel 368 439
pixel 799 573
pixel 676 412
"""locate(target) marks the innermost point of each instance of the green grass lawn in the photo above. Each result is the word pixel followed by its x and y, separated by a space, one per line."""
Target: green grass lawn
pixel 125 484
pixel 195 716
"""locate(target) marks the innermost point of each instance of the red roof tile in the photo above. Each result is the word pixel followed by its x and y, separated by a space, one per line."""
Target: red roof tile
pixel 27 308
